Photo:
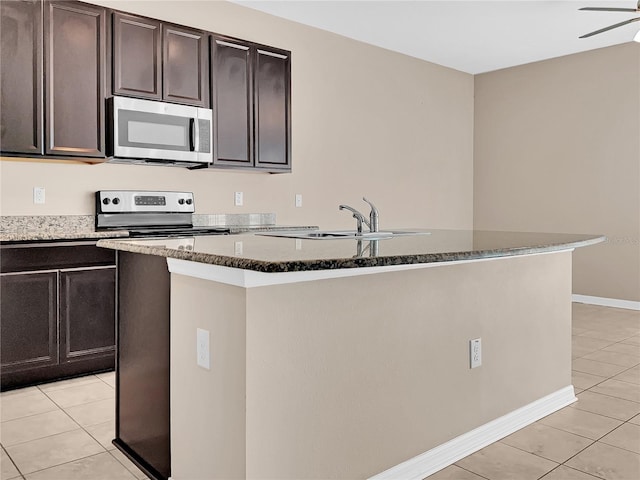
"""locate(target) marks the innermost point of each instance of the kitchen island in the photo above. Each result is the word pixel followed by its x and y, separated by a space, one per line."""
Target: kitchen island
pixel 337 358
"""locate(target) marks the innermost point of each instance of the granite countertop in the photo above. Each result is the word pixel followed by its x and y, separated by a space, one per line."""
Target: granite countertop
pixel 50 228
pixel 277 254
pixel 38 228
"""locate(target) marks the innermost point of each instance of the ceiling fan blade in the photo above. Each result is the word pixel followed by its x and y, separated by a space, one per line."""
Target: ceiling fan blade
pixel 607 9
pixel 610 27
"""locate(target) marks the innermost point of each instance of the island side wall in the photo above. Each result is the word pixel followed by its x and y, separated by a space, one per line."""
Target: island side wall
pixel 345 378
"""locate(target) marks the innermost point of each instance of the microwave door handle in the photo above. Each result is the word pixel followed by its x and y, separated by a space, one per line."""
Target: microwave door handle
pixel 196 142
pixel 192 131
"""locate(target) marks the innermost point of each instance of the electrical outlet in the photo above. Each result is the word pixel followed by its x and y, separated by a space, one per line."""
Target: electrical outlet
pixel 298 200
pixel 238 199
pixel 475 352
pixel 202 348
pixel 38 195
pixel 237 248
pixel 298 244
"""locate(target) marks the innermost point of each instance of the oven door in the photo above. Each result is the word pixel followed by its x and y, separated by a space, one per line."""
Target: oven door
pixel 144 129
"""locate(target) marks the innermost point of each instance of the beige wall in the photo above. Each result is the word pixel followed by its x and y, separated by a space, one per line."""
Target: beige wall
pixel 557 148
pixel 366 121
pixel 208 407
pixel 349 388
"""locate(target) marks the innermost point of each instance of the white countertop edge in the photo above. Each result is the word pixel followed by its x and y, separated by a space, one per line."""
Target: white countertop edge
pixel 252 279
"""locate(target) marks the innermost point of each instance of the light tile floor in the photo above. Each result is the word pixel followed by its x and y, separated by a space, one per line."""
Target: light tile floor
pixel 63 430
pixel 597 437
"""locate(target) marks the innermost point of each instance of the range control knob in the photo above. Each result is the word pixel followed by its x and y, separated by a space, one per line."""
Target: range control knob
pixel 116 201
pixel 106 201
pixel 189 201
pixel 181 201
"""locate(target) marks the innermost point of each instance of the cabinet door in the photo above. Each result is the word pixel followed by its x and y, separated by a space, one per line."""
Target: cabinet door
pixel 185 67
pixel 28 308
pixel 21 77
pixel 74 43
pixel 137 56
pixel 87 313
pixel 232 103
pixel 272 109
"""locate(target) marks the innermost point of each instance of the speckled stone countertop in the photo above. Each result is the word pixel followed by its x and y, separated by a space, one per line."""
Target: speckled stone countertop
pixel 278 254
pixel 48 228
pixel 37 228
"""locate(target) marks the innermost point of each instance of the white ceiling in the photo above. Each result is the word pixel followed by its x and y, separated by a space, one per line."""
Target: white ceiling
pixel 474 36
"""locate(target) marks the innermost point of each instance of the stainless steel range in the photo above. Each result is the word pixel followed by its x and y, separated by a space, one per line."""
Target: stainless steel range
pixel 149 213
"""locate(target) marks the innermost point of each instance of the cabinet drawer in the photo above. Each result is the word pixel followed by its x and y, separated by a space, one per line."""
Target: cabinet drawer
pixel 33 257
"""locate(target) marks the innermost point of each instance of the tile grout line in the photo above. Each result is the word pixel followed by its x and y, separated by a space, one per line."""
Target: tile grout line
pixel 80 427
pixel 616 446
pixel 39 438
pixel 125 466
pixel 11 460
pixel 470 471
pixel 612 396
pixel 549 459
pixel 64 463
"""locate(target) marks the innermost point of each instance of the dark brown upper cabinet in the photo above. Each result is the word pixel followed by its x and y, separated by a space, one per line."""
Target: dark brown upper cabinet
pixel 75 72
pixel 21 77
pixel 137 53
pixel 272 109
pixel 251 101
pixel 232 98
pixel 159 61
pixel 185 66
pixel 52 81
pixel 62 59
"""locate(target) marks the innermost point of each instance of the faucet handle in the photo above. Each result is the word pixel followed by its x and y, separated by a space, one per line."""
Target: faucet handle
pixel 373 216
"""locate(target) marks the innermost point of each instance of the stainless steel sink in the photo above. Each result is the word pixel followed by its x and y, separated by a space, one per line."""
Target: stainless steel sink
pixel 342 234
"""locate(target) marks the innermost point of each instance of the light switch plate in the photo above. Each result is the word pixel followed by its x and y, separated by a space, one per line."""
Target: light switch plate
pixel 238 199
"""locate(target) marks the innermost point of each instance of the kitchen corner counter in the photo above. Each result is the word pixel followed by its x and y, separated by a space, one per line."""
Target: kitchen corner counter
pixel 278 255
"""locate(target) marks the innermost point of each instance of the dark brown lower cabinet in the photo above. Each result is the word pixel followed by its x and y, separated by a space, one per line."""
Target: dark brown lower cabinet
pixel 57 312
pixel 29 321
pixel 87 314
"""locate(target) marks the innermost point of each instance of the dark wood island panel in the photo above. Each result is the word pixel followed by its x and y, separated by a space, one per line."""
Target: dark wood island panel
pixel 142 363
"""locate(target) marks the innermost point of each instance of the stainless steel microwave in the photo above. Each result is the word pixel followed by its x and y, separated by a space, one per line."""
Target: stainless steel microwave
pixel 152 132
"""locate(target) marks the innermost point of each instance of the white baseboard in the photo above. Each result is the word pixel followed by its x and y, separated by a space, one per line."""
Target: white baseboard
pixel 450 452
pixel 606 302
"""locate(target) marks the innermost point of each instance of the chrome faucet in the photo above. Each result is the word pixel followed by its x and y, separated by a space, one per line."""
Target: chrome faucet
pixel 372 223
